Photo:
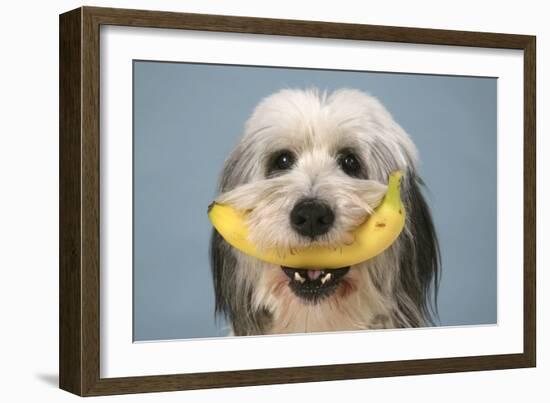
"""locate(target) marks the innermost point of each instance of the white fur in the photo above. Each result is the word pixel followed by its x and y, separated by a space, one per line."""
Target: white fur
pixel 315 126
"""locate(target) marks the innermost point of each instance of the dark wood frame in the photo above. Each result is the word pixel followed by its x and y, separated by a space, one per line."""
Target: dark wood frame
pixel 79 201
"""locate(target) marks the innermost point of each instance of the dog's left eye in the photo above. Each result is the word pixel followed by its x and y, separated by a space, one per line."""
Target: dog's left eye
pixel 281 161
pixel 350 164
pixel 284 161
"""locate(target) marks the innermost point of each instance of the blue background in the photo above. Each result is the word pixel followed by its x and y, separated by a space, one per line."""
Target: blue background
pixel 188 117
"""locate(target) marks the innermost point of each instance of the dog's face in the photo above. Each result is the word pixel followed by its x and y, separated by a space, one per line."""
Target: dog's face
pixel 309 169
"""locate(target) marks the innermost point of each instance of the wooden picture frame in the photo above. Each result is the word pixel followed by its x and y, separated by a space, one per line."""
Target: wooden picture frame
pixel 79 278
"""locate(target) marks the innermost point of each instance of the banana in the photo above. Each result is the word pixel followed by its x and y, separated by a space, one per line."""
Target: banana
pixel 371 238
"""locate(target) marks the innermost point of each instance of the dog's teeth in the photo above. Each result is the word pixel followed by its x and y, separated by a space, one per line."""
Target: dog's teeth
pixel 326 278
pixel 299 278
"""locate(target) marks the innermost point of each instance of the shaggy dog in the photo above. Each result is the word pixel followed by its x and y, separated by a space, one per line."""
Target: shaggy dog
pixel 309 169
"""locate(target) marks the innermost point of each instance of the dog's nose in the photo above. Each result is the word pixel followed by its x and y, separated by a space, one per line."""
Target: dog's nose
pixel 311 218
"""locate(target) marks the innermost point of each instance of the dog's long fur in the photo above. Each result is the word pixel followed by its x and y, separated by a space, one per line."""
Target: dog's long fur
pixel 394 289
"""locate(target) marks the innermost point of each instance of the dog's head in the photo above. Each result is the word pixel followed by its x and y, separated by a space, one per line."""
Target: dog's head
pixel 309 169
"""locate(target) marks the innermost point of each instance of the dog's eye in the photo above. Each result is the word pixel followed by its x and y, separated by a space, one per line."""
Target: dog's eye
pixel 281 161
pixel 350 164
pixel 284 161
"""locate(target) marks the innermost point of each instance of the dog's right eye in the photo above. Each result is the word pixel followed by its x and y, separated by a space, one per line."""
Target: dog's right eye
pixel 281 161
pixel 350 164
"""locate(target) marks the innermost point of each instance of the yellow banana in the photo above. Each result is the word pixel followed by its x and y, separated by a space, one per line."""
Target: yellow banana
pixel 371 238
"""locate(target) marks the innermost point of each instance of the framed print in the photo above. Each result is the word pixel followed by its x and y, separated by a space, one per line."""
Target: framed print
pixel 249 201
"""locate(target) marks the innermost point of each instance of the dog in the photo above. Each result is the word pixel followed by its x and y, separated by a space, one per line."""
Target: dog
pixel 310 167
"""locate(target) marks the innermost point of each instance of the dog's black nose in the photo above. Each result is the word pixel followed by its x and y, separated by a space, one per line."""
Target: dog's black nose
pixel 311 218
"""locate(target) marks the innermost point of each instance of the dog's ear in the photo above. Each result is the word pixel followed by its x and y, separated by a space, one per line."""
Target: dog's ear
pixel 223 264
pixel 233 300
pixel 420 257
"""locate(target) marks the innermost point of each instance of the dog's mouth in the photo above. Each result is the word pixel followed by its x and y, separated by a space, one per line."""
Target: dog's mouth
pixel 314 285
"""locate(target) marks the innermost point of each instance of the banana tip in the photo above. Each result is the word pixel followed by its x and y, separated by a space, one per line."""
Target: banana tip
pixel 211 206
pixel 397 174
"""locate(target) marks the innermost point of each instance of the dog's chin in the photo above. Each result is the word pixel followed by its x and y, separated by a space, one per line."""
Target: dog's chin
pixel 314 285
